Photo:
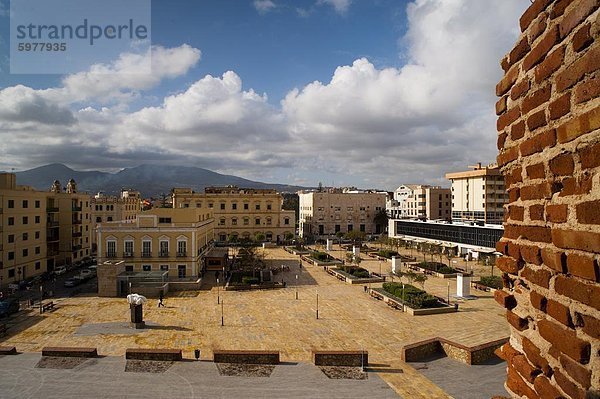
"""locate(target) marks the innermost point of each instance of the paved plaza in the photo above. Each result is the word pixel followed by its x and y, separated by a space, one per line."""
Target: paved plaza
pixel 270 320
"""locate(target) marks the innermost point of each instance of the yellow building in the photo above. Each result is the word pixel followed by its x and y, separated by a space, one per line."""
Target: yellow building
pixel 159 249
pixel 23 252
pixel 110 208
pixel 241 213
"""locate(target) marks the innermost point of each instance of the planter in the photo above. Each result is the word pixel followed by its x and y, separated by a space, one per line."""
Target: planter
pixel 350 279
pixel 392 301
pixel 478 286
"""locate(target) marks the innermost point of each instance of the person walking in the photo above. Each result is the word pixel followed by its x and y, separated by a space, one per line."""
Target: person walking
pixel 160 299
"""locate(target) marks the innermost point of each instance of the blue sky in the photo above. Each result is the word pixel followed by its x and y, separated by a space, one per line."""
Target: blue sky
pixel 352 92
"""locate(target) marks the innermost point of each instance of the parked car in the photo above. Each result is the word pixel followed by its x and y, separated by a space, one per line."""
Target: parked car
pixel 8 307
pixel 60 270
pixel 87 274
pixel 72 282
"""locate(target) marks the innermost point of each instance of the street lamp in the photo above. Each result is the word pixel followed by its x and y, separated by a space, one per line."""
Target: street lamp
pixel 41 297
pixel 403 303
pixel 296 286
pixel 222 323
pixel 218 294
pixel 317 305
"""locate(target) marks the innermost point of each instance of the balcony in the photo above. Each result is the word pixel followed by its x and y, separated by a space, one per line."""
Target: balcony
pixel 111 254
pixel 52 209
pixel 77 234
pixel 76 208
pixel 128 254
pixel 52 224
pixel 146 254
pixel 76 248
pixel 164 254
pixel 181 254
pixel 77 221
pixel 52 238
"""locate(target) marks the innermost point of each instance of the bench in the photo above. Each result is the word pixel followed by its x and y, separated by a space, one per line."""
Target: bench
pixel 394 305
pixel 8 350
pixel 153 354
pixel 246 357
pixel 341 358
pixel 376 295
pixel 47 306
pixel 3 329
pixel 66 351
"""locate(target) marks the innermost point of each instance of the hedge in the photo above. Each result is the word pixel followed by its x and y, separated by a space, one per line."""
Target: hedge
pixel 414 297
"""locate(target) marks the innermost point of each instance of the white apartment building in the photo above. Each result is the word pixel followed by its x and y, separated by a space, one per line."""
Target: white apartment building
pixel 332 211
pixel 478 195
pixel 413 201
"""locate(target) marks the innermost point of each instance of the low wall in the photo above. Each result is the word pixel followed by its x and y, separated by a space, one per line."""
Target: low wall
pixel 153 354
pixel 380 293
pixel 341 358
pixel 246 357
pixel 69 351
pixel 184 285
pixel 422 350
pixel 8 350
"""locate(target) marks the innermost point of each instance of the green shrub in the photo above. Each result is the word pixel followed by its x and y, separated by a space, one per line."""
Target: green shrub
pixel 321 256
pixel 250 280
pixel 412 296
pixel 491 281
pixel 386 253
pixel 437 267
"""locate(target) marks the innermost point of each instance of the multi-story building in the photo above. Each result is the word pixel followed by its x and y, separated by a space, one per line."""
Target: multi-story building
pixel 110 208
pixel 325 213
pixel 23 249
pixel 241 213
pixel 478 195
pixel 163 243
pixel 72 211
pixel 39 229
pixel 413 201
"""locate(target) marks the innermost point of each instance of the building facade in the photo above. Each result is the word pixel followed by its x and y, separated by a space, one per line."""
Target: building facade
pixel 241 213
pixel 166 241
pixel 478 195
pixel 420 202
pixel 333 211
pixel 110 208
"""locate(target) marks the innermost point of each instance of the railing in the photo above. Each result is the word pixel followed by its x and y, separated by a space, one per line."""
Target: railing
pixel 128 254
pixel 52 224
pixel 52 209
pixel 76 209
pixel 111 254
pixel 77 221
pixel 181 254
pixel 164 254
pixel 77 234
pixel 52 238
pixel 146 254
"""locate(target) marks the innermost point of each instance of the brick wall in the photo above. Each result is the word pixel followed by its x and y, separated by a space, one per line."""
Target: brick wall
pixel 549 141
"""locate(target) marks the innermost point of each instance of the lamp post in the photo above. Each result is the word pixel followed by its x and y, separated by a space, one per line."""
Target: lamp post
pixel 130 288
pixel 222 322
pixel 218 293
pixel 380 273
pixel 317 305
pixel 448 292
pixel 41 297
pixel 296 286
pixel 403 306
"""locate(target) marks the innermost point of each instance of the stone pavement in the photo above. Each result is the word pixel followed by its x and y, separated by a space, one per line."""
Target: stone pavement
pixel 105 378
pixel 273 319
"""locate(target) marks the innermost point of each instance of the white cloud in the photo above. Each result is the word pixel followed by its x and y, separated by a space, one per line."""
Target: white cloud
pixel 340 6
pixel 264 6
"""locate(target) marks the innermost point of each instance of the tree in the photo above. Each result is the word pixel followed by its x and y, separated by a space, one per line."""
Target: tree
pixel 259 237
pixel 381 219
pixel 356 236
pixel 288 236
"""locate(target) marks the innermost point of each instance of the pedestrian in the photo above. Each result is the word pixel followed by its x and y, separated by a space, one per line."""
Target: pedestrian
pixel 160 299
pixel 365 287
pixel 300 264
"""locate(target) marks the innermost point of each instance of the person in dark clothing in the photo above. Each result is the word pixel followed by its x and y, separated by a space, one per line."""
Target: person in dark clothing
pixel 160 300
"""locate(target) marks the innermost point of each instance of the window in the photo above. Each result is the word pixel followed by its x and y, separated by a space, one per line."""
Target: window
pixel 164 248
pixel 128 248
pixel 11 273
pixel 246 221
pixel 286 221
pixel 350 227
pixel 37 235
pixel 111 248
pixel 337 228
pixel 11 238
pixel 38 265
pixel 147 268
pixel 222 206
pixel 11 255
pixel 210 205
pixel 164 220
pixel 246 207
pixel 257 207
pixel 164 268
pixel 181 248
pixel 25 204
pixel 234 222
pixel 11 221
pixel 25 252
pixel 37 220
pixel 109 219
pixel 37 250
pixel 257 221
pixel 269 207
pixel 234 206
pixel 181 271
pixel 268 221
pixel 100 206
pixel 25 220
pixel 222 222
pixel 198 205
pixel 362 227
pixel 99 219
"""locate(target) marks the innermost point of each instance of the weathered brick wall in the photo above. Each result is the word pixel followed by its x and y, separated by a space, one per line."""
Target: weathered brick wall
pixel 549 142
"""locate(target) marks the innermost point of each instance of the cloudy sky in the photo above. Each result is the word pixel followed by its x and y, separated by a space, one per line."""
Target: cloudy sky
pixel 372 93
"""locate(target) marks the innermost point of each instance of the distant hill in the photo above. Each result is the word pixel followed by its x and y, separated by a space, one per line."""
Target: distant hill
pixel 151 180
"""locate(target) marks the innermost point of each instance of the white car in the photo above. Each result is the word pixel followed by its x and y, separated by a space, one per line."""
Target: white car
pixel 60 270
pixel 87 274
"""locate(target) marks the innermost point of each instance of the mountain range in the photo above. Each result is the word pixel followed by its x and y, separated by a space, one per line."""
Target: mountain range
pixel 150 180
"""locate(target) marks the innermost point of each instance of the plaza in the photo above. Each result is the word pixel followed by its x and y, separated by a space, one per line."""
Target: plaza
pixel 348 319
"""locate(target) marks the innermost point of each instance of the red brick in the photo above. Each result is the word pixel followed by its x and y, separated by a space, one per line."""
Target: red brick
pixel 555 260
pixel 516 212
pixel 507 118
pixel 585 292
pixel 579 125
pixel 537 27
pixel 553 61
pixel 539 51
pixel 508 155
pixel 502 247
pixel 514 194
pixel 507 81
pixel 560 107
pixel 573 186
pixel 515 383
pixel 587 63
pixel 538 301
pixel 536 212
pixel 557 213
pixel 559 312
pixel 514 250
pixel 509 265
pixel 576 371
pixel 536 171
pixel 531 254
pixel 501 105
pixel 535 233
pixel 534 356
pixel 582 38
pixel 559 8
pixel 587 90
pixel 565 340
pixel 568 386
pixel 517 131
pixel 537 120
pixel 516 321
pixel 514 176
pixel 583 266
pixel 539 276
pixel 545 389
pixel 571 239
pixel 589 212
pixel 536 191
pixel 501 140
pixel 527 371
pixel 576 15
pixel 562 165
pixel 535 99
pixel 506 352
pixel 519 51
pixel 591 326
pixel 504 63
pixel 532 13
pixel 519 89
pixel 505 299
pixel 590 156
pixel 538 142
